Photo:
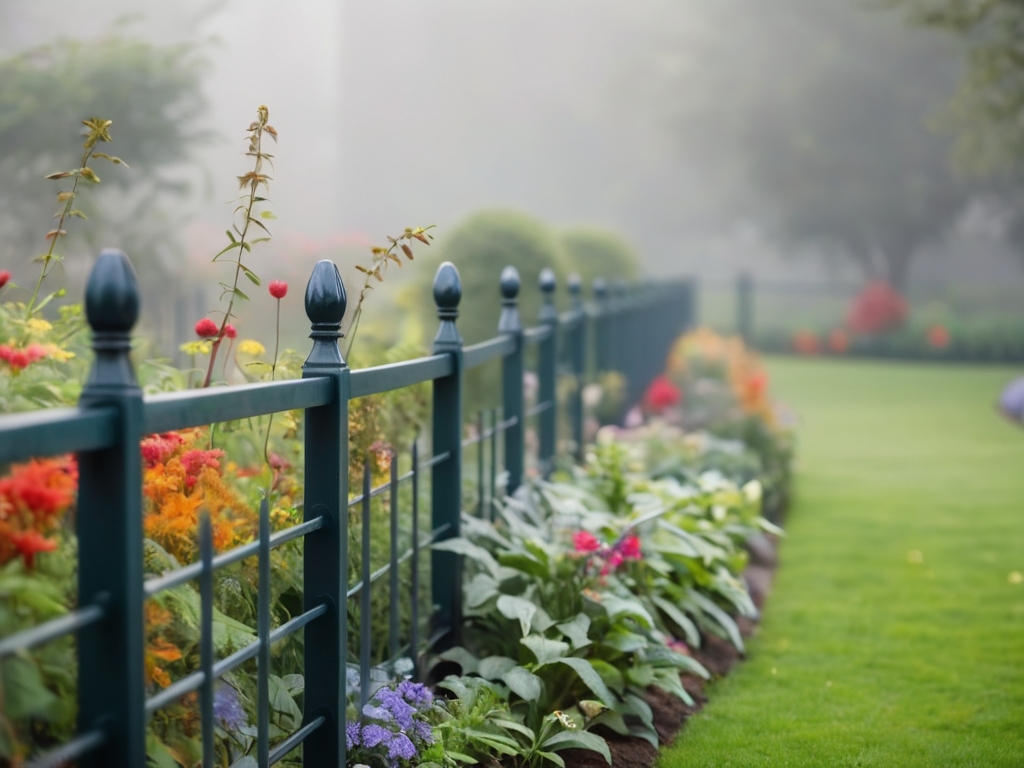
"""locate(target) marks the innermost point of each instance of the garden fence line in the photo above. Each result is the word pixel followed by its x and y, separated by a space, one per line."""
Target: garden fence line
pixel 626 328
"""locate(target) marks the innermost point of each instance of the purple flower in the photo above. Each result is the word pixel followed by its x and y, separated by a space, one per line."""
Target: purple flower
pixel 401 748
pixel 227 709
pixel 423 731
pixel 374 734
pixel 396 708
pixel 416 694
pixel 352 734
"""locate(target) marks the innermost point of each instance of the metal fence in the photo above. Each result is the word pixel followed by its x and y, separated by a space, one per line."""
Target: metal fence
pixel 627 328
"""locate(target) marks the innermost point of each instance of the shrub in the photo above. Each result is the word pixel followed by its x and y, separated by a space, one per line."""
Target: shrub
pixel 594 252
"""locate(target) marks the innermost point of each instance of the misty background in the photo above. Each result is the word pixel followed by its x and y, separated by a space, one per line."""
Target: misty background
pixel 798 140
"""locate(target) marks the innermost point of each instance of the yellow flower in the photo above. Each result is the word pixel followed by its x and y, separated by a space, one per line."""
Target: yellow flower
pixel 251 347
pixel 56 353
pixel 196 347
pixel 37 326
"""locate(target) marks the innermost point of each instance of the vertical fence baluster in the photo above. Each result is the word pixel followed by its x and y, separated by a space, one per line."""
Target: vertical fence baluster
pixel 263 636
pixel 745 306
pixel 325 560
pixel 393 596
pixel 480 464
pixel 111 688
pixel 512 379
pixel 576 337
pixel 494 462
pixel 414 630
pixel 601 346
pixel 548 374
pixel 446 485
pixel 206 636
pixel 364 594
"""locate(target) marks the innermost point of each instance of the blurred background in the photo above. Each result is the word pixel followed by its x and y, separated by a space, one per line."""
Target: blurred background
pixel 839 177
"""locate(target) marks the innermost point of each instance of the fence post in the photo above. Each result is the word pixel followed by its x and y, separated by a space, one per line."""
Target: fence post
pixel 512 379
pixel 325 560
pixel 601 346
pixel 745 307
pixel 111 687
pixel 547 370
pixel 446 484
pixel 577 357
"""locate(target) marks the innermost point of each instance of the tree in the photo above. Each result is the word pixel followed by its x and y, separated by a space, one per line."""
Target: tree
pixel 988 109
pixel 151 93
pixel 814 114
pixel 594 252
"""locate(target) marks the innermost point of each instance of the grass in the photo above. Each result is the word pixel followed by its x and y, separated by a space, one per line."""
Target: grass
pixel 871 654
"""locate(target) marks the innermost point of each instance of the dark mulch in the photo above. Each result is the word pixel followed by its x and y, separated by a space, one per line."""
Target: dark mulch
pixel 670 714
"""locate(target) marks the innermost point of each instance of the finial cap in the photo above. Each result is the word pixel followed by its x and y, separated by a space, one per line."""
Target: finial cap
pixel 510 282
pixel 326 300
pixel 575 285
pixel 447 289
pixel 547 280
pixel 112 293
pixel 600 288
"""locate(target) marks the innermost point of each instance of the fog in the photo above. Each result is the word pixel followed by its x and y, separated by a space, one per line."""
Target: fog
pixel 682 125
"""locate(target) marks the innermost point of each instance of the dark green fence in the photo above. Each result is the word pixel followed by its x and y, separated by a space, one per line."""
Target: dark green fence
pixel 628 329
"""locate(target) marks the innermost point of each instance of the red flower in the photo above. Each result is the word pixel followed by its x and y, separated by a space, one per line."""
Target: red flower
pixel 879 307
pixel 585 541
pixel 806 343
pixel 630 548
pixel 938 337
pixel 662 394
pixel 5 277
pixel 278 288
pixel 206 328
pixel 838 341
pixel 30 543
pixel 157 449
pixel 195 460
pixel 19 359
pixel 229 331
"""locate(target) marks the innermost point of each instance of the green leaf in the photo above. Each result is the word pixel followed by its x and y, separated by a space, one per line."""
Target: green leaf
pixel 579 740
pixel 576 630
pixel 588 675
pixel 241 295
pixel 512 607
pixel 618 607
pixel 25 693
pixel 525 563
pixel 463 658
pixel 480 589
pixel 624 641
pixel 546 650
pixel 250 274
pixel 680 619
pixel 523 683
pixel 723 619
pixel 467 548
pixel 493 667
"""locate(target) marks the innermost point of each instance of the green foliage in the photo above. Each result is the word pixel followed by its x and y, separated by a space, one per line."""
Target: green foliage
pixel 593 252
pixel 152 95
pixel 483 245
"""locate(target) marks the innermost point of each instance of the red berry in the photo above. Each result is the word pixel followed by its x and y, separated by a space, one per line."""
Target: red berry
pixel 229 331
pixel 206 328
pixel 278 288
pixel 5 276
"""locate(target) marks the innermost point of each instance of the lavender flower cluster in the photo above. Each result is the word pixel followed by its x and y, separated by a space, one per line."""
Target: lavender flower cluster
pixel 393 727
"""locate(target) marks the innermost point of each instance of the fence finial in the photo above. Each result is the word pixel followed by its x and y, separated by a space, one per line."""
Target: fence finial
pixel 509 321
pixel 447 295
pixel 600 288
pixel 575 290
pixel 326 303
pixel 111 308
pixel 548 283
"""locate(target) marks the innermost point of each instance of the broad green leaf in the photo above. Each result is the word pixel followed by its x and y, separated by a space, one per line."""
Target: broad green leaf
pixel 723 619
pixel 576 630
pixel 480 589
pixel 467 548
pixel 617 607
pixel 25 693
pixel 611 674
pixel 588 675
pixel 680 619
pixel 517 608
pixel 493 667
pixel 463 658
pixel 521 561
pixel 625 641
pixel 546 650
pixel 578 740
pixel 523 683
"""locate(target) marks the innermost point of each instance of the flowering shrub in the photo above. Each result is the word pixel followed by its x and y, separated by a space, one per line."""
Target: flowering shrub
pixel 33 500
pixel 806 342
pixel 938 337
pixel 393 729
pixel 876 309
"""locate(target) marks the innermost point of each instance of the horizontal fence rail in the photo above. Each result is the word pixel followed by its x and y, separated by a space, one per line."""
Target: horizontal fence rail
pixel 628 329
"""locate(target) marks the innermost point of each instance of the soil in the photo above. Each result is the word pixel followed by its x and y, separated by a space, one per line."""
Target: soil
pixel 670 714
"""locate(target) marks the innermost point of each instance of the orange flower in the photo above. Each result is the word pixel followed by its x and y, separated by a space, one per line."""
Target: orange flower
pixel 159 652
pixel 838 341
pixel 806 343
pixel 938 337
pixel 33 499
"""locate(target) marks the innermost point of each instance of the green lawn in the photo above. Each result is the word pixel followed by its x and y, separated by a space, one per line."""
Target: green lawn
pixel 871 654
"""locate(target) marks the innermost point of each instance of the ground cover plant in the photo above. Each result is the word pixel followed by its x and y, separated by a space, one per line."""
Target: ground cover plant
pixel 894 636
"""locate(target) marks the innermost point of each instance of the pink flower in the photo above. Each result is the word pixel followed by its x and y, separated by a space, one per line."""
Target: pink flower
pixel 278 288
pixel 585 541
pixel 5 277
pixel 206 328
pixel 629 547
pixel 661 394
pixel 229 331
